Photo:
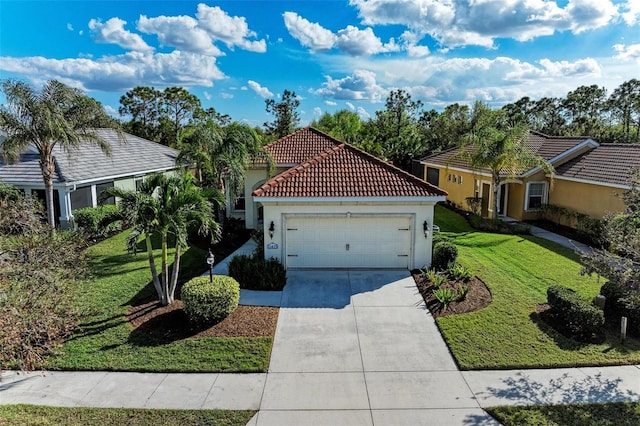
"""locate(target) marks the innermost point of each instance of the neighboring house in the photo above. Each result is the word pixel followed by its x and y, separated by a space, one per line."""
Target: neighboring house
pixel 588 178
pixel 82 174
pixel 331 205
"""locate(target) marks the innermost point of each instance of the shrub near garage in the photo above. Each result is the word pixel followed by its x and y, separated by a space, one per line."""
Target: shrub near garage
pixel 444 253
pixel 206 302
pixel 255 273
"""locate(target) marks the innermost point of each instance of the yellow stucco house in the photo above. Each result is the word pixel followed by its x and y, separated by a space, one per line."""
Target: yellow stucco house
pixel 588 178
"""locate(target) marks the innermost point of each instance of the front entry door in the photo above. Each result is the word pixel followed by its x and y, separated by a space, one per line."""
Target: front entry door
pixel 486 190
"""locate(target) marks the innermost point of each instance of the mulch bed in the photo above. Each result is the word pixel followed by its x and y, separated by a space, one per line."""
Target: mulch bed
pixel 170 322
pixel 478 297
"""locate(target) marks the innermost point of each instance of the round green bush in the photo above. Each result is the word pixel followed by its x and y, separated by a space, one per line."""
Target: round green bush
pixel 444 253
pixel 205 302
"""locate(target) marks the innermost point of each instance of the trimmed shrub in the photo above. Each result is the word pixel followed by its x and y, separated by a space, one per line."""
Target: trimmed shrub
pixel 255 273
pixel 444 253
pixel 206 302
pixel 91 220
pixel 613 292
pixel 631 310
pixel 579 318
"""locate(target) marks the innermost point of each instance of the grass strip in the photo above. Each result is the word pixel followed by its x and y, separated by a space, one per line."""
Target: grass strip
pixel 84 416
pixel 609 414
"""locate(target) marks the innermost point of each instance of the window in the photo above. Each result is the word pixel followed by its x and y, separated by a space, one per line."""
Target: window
pixel 476 188
pixel 536 195
pixel 459 179
pixel 138 181
pixel 239 204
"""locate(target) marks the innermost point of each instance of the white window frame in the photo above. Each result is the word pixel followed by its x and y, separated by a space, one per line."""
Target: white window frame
pixel 545 195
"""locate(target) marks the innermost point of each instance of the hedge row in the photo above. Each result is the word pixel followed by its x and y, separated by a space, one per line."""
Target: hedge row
pixel 255 273
pixel 581 319
pixel 90 220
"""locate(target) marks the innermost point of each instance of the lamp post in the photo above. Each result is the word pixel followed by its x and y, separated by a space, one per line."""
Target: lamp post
pixel 210 260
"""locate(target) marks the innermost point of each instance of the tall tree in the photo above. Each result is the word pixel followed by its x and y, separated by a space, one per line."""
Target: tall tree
pixel 56 115
pixel 547 116
pixel 343 125
pixel 179 106
pixel 167 206
pixel 398 133
pixel 144 106
pixel 624 103
pixel 285 113
pixel 445 130
pixel 584 108
pixel 497 144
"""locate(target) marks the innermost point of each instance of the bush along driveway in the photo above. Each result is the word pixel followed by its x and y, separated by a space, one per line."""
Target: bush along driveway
pixel 106 340
pixel 509 333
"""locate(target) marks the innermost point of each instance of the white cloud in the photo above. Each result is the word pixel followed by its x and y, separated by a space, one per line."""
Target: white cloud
pixel 627 52
pixel 457 23
pixel 330 103
pixel 410 44
pixel 181 32
pixel 225 95
pixel 120 72
pixel 357 42
pixel 351 106
pixel 262 91
pixel 206 95
pixel 111 110
pixel 244 88
pixel 233 31
pixel 113 32
pixel 309 34
pixel 631 13
pixel 363 114
pixel 361 85
pixel 317 111
pixel 69 26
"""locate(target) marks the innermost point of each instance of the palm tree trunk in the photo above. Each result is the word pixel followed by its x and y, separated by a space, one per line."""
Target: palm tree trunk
pixel 496 186
pixel 164 299
pixel 174 274
pixel 48 170
pixel 152 265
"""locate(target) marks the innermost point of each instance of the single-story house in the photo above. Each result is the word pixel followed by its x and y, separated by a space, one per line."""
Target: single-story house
pixel 588 178
pixel 331 205
pixel 83 173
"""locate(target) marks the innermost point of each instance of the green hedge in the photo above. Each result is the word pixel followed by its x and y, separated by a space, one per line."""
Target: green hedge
pixel 444 253
pixel 579 318
pixel 90 220
pixel 206 302
pixel 255 273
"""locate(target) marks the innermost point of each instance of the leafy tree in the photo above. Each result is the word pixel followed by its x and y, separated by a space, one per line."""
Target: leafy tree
pixel 167 206
pixel 343 125
pixel 397 128
pixel 584 108
pixel 179 107
pixel 624 104
pixel 620 263
pixel 57 115
pixel 144 105
pixel 38 274
pixel 211 116
pixel 496 144
pixel 547 116
pixel 286 117
pixel 445 130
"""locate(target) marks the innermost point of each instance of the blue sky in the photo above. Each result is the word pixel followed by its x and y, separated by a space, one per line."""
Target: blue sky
pixel 333 54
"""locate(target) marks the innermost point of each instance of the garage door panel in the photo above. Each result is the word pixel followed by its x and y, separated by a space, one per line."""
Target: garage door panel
pixel 341 242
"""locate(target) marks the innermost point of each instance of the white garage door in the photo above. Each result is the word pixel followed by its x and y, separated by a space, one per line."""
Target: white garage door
pixel 358 241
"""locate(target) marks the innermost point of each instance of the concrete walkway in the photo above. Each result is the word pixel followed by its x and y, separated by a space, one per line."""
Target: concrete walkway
pixel 550 236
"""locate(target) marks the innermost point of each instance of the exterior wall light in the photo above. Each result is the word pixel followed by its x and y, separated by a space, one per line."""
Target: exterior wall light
pixel 272 228
pixel 425 228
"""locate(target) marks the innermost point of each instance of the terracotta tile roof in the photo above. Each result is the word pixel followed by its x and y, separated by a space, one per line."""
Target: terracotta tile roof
pixel 543 145
pixel 300 146
pixel 344 171
pixel 608 163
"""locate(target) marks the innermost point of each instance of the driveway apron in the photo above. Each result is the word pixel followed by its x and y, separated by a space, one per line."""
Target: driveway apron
pixel 359 347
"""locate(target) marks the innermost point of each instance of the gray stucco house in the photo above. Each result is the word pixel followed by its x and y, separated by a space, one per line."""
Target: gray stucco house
pixel 82 174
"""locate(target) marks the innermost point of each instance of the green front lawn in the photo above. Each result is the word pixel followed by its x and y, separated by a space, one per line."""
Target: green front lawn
pixel 83 416
pixel 508 334
pixel 611 414
pixel 106 341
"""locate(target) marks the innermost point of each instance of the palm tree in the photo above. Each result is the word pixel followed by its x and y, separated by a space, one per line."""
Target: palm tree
pixel 222 155
pixel 167 206
pixel 496 144
pixel 56 115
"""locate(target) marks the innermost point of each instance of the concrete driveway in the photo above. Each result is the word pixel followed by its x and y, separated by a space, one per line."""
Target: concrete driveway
pixel 360 348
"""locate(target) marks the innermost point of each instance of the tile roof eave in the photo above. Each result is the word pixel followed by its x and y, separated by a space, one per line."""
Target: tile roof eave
pixel 381 199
